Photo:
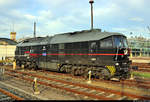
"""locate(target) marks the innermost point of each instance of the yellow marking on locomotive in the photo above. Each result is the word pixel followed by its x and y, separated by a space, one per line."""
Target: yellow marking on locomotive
pixel 112 69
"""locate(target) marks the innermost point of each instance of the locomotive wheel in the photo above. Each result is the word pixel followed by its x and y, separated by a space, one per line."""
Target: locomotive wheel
pixel 104 74
pixel 62 69
pixel 78 72
pixel 85 74
pixel 67 70
pixel 73 71
pixel 36 67
pixel 126 76
pixel 100 76
pixel 18 63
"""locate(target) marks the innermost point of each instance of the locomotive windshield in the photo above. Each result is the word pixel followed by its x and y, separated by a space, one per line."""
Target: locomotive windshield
pixel 120 41
pixel 125 42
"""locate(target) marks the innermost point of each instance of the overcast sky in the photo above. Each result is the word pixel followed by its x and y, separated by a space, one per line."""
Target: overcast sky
pixel 59 16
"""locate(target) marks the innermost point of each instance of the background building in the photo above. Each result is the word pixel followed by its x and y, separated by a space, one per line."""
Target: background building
pixel 7 48
pixel 139 46
pixel 13 36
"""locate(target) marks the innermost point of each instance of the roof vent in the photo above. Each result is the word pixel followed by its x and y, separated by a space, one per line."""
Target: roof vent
pixel 97 30
pixel 85 31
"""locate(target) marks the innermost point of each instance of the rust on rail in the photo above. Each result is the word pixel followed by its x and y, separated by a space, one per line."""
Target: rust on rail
pixel 86 86
pixel 11 95
pixel 67 89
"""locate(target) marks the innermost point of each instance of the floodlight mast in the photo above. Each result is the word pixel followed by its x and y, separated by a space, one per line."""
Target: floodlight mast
pixel 91 2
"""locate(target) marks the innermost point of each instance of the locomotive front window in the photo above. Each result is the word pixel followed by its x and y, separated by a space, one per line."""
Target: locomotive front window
pixel 120 41
pixel 125 42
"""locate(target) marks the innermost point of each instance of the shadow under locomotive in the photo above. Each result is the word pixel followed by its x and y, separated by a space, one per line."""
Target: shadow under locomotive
pixel 105 54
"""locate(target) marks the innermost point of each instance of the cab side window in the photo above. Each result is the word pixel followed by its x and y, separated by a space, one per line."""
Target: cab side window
pixel 106 43
pixel 93 47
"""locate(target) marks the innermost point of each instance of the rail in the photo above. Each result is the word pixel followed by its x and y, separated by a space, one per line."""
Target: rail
pixel 10 95
pixel 80 85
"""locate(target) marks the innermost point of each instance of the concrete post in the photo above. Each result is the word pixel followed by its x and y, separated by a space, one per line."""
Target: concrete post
pixel 36 91
pixel 131 54
pixel 132 77
pixel 14 65
pixel 140 52
pixel 89 81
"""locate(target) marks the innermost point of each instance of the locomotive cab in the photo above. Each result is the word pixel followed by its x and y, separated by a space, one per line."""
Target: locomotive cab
pixel 121 46
pixel 122 62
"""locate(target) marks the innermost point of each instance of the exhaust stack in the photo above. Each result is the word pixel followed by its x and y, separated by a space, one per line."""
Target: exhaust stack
pixel 34 30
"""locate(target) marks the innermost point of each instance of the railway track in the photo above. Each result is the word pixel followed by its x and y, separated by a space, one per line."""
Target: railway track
pixel 141 65
pixel 131 83
pixel 79 89
pixel 66 87
pixel 7 95
pixel 139 83
pixel 11 93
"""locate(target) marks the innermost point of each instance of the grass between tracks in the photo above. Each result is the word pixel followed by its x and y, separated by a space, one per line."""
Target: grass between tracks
pixel 141 74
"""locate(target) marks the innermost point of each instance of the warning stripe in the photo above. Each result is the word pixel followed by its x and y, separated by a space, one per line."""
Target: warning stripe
pixel 112 69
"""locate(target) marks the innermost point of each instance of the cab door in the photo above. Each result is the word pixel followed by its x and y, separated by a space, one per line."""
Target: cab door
pixel 44 56
pixel 93 51
pixel 106 50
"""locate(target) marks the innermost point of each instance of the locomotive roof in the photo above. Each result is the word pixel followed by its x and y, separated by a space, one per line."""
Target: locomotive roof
pixel 34 42
pixel 79 36
pixel 31 41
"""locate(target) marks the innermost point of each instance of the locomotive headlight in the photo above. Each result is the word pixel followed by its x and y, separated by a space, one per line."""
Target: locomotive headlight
pixel 117 64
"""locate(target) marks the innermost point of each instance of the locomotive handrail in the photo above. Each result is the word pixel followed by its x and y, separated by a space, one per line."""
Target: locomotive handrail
pixel 117 53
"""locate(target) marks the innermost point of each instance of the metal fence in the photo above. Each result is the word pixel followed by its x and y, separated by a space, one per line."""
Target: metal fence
pixel 140 52
pixel 139 47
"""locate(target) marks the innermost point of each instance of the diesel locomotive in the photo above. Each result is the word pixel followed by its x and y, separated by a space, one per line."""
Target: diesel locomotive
pixel 105 54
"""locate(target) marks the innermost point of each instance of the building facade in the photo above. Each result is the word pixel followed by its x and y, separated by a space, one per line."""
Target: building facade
pixel 139 46
pixel 7 48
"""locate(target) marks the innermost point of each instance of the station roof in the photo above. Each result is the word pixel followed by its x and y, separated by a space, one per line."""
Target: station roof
pixel 6 41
